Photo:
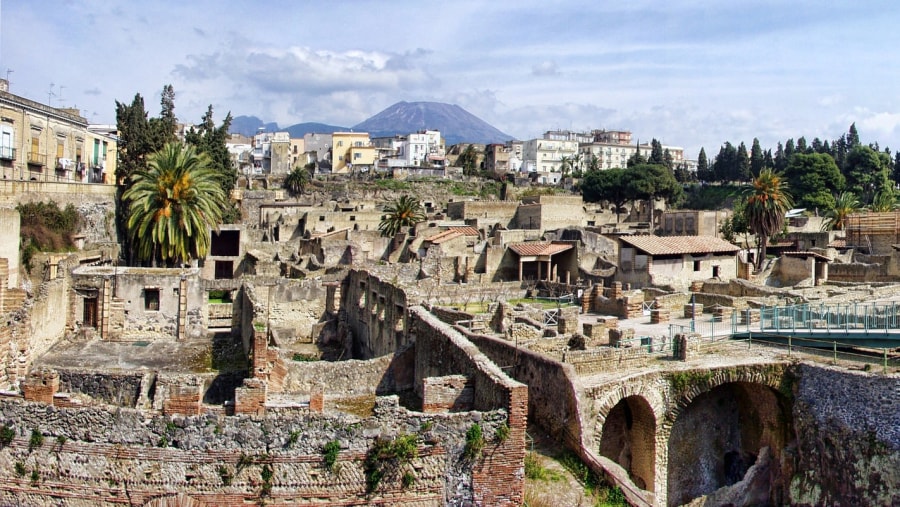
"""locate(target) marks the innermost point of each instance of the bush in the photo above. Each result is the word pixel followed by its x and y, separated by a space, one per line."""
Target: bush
pixel 386 453
pixel 36 440
pixel 474 442
pixel 46 228
pixel 331 454
pixel 7 434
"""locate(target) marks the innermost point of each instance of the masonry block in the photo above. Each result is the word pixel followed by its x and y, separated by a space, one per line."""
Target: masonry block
pixel 250 398
pixel 41 386
pixel 317 399
pixel 620 337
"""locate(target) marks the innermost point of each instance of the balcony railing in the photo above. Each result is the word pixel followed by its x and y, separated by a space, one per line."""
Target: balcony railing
pixel 37 159
pixel 7 153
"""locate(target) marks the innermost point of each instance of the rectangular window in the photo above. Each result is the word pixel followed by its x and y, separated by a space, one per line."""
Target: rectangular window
pixel 35 145
pixel 60 148
pixel 96 159
pixel 151 300
pixel 696 265
pixel 224 270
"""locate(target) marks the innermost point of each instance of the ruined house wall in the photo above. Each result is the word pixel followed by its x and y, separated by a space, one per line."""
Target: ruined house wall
pixel 552 397
pixel 498 479
pixel 375 313
pixel 9 243
pixel 47 322
pixel 92 456
pixel 351 378
pixel 485 213
pixel 795 271
pixel 848 428
pixel 859 272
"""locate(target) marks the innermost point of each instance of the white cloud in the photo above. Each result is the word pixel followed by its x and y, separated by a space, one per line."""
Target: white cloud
pixel 545 68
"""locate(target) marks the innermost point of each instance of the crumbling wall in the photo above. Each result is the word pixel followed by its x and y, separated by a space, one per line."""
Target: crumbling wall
pixel 375 313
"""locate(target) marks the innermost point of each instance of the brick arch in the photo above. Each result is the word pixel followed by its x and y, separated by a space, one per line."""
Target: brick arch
pixel 629 438
pixel 769 375
pixel 716 428
pixel 176 500
pixel 640 387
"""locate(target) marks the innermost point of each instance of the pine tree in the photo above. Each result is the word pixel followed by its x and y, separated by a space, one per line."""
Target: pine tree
pixel 757 160
pixel 852 137
pixel 703 173
pixel 210 140
pixel 742 164
pixel 656 153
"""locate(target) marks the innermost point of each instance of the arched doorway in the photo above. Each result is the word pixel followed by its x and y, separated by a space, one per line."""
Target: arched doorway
pixel 629 439
pixel 720 434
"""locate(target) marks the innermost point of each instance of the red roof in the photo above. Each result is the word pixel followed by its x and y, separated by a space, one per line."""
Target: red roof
pixel 539 248
pixel 675 245
pixel 444 236
pixel 468 230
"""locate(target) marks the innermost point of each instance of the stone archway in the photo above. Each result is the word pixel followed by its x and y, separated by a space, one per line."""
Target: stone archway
pixel 719 434
pixel 628 437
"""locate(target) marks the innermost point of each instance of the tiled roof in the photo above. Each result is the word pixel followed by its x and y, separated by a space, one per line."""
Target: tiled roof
pixel 444 236
pixel 806 254
pixel 539 248
pixel 468 230
pixel 674 245
pixel 838 243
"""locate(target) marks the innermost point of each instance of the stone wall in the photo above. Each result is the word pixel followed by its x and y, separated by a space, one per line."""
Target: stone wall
pixel 351 378
pixel 10 223
pixel 119 389
pixel 13 192
pixel 551 392
pixel 848 430
pixel 90 456
pixel 375 313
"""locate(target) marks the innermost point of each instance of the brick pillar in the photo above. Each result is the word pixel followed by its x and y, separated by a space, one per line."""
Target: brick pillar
pixel 260 352
pixel 40 386
pixel 105 308
pixel 317 399
pixel 616 290
pixel 250 399
pixel 498 479
pixel 182 308
pixel 586 300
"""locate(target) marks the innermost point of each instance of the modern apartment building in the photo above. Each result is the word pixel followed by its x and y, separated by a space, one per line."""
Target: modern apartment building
pixel 351 151
pixel 271 153
pixel 545 157
pixel 44 143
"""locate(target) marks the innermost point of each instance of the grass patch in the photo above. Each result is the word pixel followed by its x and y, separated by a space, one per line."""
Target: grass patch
pixel 604 494
pixel 535 471
pixel 387 454
pixel 304 358
pixel 331 454
pixel 474 442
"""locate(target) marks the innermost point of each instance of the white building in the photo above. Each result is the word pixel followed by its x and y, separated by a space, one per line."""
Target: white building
pixel 545 157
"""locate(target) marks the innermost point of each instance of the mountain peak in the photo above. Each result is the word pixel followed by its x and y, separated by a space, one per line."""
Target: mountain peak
pixel 455 123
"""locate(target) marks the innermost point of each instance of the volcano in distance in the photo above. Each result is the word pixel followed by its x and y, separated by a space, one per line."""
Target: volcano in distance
pixel 455 124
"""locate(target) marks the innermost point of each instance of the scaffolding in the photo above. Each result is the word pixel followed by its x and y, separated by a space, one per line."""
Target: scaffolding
pixel 861 228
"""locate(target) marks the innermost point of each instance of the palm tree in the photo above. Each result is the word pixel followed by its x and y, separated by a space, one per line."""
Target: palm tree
pixel 172 204
pixel 844 205
pixel 884 201
pixel 767 203
pixel 297 180
pixel 404 212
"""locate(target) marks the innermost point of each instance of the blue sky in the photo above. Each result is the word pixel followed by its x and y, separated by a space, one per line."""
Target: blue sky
pixel 690 73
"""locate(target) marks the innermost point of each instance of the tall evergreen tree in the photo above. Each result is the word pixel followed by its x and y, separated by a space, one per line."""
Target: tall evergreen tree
pixel 757 159
pixel 135 142
pixel 801 145
pixel 703 172
pixel 656 153
pixel 162 129
pixel 725 165
pixel 742 164
pixel 852 137
pixel 780 160
pixel 896 168
pixel 210 140
pixel 668 160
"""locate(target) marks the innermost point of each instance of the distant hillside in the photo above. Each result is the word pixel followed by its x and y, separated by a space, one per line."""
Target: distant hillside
pixel 455 123
pixel 300 129
pixel 249 125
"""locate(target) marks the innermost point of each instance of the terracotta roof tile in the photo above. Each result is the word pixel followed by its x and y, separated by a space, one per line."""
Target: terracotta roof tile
pixel 444 236
pixel 674 245
pixel 468 230
pixel 539 248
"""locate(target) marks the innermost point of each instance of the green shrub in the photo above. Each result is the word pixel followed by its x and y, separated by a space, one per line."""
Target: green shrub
pixel 474 442
pixel 502 433
pixel 293 437
pixel 408 480
pixel 35 476
pixel 20 469
pixel 304 358
pixel 7 434
pixel 387 453
pixel 331 454
pixel 225 474
pixel 36 440
pixel 537 472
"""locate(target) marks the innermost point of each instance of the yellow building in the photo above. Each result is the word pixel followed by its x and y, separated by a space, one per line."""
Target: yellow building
pixel 43 143
pixel 351 151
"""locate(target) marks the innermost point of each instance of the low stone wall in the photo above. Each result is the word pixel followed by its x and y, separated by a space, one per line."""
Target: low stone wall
pixel 351 378
pixel 119 389
pixel 859 272
pixel 606 359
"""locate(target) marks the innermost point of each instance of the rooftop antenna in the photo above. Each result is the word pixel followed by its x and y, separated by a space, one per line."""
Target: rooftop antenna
pixel 8 72
pixel 61 99
pixel 50 94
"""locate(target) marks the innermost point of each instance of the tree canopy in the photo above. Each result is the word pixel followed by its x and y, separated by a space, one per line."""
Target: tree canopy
pixel 403 212
pixel 172 204
pixel 815 179
pixel 766 204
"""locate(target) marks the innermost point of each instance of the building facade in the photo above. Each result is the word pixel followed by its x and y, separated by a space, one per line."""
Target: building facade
pixel 43 143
